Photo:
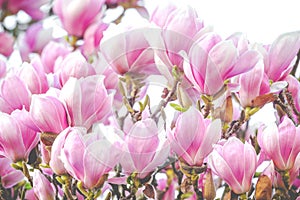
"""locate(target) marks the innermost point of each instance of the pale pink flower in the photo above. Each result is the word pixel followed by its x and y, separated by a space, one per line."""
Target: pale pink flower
pixel 16 139
pixel 34 76
pixel 87 157
pixel 235 162
pixel 144 149
pixel 77 15
pixel 213 61
pixel 253 84
pixel 161 13
pixel 6 43
pixel 281 143
pixel 49 113
pixel 87 100
pixel 34 40
pixel 131 51
pixel 42 187
pixel 92 37
pixel 193 137
pixel 51 52
pixel 14 94
pixel 31 7
pixel 74 65
pixel 279 55
pixel 9 175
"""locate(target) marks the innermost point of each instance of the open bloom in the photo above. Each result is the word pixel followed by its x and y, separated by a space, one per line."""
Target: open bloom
pixel 89 157
pixel 279 55
pixel 14 94
pixel 74 65
pixel 193 137
pixel 77 15
pixel 133 53
pixel 213 61
pixel 86 100
pixel 16 139
pixel 234 162
pixel 281 143
pixel 48 113
pixel 144 151
pixel 34 77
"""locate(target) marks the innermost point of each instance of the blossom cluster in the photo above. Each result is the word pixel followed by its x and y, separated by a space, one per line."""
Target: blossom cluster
pixel 80 119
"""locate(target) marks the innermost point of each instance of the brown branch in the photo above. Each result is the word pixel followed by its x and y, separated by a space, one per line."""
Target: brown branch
pixel 293 72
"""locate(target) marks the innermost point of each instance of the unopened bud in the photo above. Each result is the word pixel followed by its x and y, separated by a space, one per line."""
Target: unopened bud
pixel 209 192
pixel 263 188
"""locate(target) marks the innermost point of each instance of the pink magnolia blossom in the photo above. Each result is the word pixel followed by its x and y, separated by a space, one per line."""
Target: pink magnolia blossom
pixel 56 163
pixel 34 76
pixel 51 52
pixel 31 7
pixel 281 143
pixel 161 13
pixel 213 61
pixel 144 150
pixel 9 175
pixel 14 94
pixel 16 139
pixel 92 37
pixel 132 54
pixel 234 162
pixel 279 55
pixel 253 84
pixel 77 15
pixel 86 100
pixel 42 187
pixel 6 44
pixel 74 65
pixel 49 113
pixel 34 40
pixel 87 157
pixel 194 142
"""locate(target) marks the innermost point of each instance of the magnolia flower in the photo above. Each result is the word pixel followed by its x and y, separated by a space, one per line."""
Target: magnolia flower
pixel 193 142
pixel 86 100
pixel 42 188
pixel 92 37
pixel 234 162
pixel 34 76
pixel 31 7
pixel 281 143
pixel 34 40
pixel 74 65
pixel 9 175
pixel 144 151
pixel 14 94
pixel 6 44
pixel 77 15
pixel 133 53
pixel 279 55
pixel 89 157
pixel 49 113
pixel 253 84
pixel 213 61
pixel 16 139
pixel 51 52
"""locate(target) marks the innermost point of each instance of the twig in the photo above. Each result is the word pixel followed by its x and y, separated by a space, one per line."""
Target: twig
pixel 293 72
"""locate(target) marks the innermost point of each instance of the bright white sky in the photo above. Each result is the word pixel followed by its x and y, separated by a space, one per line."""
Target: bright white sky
pixel 261 20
